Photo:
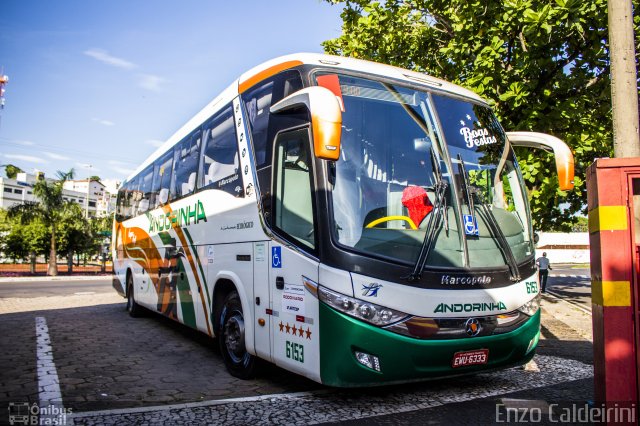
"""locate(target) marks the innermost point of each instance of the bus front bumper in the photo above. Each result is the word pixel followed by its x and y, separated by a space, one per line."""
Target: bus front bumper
pixel 404 359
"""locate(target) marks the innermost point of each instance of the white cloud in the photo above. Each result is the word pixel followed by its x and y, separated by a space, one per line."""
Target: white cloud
pixel 120 167
pixel 104 57
pixel 25 143
pixel 103 122
pixel 54 156
pixel 27 158
pixel 151 82
pixel 154 142
pixel 87 166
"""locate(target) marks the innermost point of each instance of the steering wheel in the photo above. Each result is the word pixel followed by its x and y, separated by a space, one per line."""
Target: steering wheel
pixel 389 218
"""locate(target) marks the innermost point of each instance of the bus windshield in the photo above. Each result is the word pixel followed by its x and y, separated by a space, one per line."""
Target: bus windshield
pixel 398 144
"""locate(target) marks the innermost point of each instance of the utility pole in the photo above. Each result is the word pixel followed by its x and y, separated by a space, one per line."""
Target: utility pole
pixel 624 89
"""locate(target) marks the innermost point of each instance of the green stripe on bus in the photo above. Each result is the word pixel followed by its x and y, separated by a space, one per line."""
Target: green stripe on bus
pixel 195 254
pixel 184 295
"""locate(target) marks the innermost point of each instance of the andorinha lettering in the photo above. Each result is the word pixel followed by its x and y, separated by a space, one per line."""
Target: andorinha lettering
pixel 449 280
pixel 183 216
pixel 477 137
pixel 470 307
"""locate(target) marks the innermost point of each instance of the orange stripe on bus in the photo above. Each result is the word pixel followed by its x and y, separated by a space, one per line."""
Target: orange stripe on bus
pixel 264 74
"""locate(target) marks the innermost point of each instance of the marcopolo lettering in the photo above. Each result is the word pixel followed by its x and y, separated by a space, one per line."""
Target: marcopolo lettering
pixel 465 280
pixel 470 307
pixel 183 216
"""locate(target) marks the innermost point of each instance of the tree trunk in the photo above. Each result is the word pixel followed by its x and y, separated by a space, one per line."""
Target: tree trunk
pixel 70 262
pixel 32 262
pixel 53 257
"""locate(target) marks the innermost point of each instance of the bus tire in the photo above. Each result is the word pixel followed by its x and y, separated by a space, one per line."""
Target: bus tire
pixel 133 308
pixel 239 362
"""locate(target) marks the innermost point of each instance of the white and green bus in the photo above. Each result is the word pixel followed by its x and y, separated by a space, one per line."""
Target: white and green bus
pixel 355 223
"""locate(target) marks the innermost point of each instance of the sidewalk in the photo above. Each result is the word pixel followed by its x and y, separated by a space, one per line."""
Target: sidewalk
pixel 56 278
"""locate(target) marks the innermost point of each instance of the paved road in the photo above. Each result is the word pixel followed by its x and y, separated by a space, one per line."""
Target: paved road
pixel 571 284
pixel 152 370
pixel 44 287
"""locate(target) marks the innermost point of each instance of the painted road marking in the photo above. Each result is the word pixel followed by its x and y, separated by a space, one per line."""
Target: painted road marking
pixel 49 395
pixel 551 293
pixel 84 293
pixel 330 405
pixel 525 404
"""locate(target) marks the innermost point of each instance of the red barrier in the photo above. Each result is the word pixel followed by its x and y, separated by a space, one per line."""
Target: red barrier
pixel 613 187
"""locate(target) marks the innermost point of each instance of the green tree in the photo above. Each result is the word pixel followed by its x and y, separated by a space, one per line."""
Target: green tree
pixel 21 240
pixel 74 233
pixel 542 64
pixel 49 209
pixel 95 178
pixel 12 171
pixel 12 240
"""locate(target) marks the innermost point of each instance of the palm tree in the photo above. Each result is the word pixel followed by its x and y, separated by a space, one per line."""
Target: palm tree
pixel 49 208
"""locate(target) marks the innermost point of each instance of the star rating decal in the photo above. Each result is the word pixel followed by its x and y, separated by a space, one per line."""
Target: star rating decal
pixel 296 331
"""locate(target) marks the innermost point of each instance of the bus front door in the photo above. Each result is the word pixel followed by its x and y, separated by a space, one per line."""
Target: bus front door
pixel 296 343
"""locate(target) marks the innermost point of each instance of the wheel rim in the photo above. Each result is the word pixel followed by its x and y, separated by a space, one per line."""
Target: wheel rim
pixel 234 337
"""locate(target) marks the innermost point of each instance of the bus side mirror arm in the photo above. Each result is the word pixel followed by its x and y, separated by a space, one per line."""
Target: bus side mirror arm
pixel 562 153
pixel 326 118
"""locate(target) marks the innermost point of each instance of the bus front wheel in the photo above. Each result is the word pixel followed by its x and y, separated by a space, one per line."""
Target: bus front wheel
pixel 231 338
pixel 132 307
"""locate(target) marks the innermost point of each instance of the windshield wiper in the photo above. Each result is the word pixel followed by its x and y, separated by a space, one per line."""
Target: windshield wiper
pixel 490 220
pixel 437 218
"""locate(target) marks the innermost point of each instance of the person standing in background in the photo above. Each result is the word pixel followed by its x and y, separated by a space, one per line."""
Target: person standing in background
pixel 544 267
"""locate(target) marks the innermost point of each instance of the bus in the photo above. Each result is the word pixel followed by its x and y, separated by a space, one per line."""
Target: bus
pixel 352 222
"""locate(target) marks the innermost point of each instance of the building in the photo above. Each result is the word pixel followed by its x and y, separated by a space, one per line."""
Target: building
pixel 90 195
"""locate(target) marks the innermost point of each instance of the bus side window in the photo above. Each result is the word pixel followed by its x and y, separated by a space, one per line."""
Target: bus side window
pixel 133 197
pixel 162 178
pixel 292 187
pixel 146 191
pixel 185 165
pixel 220 159
pixel 120 203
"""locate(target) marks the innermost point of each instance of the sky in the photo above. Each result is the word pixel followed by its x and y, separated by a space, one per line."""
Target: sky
pixel 97 86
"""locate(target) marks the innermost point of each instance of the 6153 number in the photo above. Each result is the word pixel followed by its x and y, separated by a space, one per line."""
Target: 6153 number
pixel 295 351
pixel 532 287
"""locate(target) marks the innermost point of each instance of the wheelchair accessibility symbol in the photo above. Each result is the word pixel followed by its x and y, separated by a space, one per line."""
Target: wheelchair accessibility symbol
pixel 276 257
pixel 470 225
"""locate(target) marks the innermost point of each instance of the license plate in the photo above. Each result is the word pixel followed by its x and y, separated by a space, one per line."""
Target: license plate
pixel 464 359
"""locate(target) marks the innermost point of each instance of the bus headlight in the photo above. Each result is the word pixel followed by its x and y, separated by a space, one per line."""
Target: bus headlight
pixel 531 307
pixel 365 311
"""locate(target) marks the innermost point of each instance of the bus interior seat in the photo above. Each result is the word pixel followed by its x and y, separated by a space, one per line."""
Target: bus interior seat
pixel 219 171
pixel 143 206
pixel 189 185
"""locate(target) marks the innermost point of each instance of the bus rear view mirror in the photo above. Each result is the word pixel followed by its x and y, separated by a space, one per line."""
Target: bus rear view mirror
pixel 326 118
pixel 562 153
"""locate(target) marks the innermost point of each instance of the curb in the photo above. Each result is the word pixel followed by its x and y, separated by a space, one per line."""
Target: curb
pixel 56 278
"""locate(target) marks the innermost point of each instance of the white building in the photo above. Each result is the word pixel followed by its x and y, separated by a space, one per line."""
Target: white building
pixel 90 195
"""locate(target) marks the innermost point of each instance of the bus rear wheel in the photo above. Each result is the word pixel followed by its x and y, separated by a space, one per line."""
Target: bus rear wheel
pixel 132 307
pixel 231 339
